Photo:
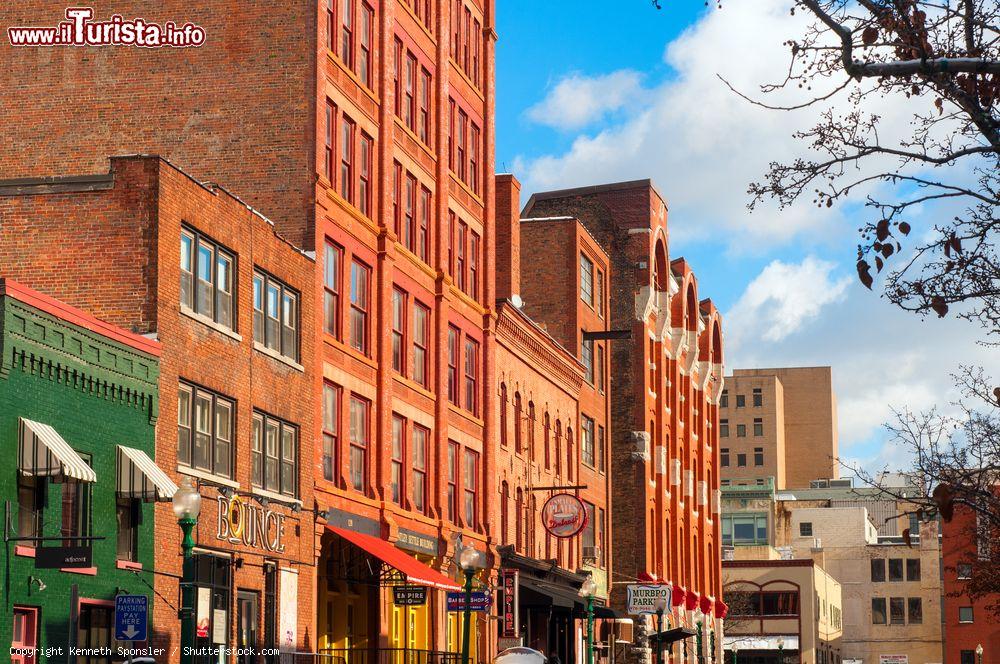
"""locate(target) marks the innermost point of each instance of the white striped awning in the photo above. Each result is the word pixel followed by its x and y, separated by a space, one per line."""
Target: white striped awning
pixel 140 477
pixel 42 452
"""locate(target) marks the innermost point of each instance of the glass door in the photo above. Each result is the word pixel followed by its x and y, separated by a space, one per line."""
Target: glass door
pixel 246 617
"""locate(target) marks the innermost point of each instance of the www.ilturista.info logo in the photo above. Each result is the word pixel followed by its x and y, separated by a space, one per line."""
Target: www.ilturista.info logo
pixel 80 30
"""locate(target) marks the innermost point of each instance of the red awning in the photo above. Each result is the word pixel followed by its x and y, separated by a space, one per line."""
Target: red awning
pixel 411 568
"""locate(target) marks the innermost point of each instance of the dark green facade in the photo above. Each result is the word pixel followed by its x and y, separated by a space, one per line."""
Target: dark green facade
pixel 97 393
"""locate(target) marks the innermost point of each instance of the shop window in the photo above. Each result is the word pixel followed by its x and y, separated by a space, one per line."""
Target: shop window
pixel 878 570
pixel 129 516
pixel 331 429
pixel 274 464
pixel 207 276
pixel 878 611
pixel 275 315
pixel 213 581
pixel 205 431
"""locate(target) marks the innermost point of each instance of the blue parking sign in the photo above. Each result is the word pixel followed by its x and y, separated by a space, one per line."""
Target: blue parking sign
pixel 131 617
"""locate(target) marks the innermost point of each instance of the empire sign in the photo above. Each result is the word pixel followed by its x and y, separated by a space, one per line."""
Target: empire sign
pixel 241 521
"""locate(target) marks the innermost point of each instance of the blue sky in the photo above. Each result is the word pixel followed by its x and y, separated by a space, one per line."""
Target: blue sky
pixel 585 96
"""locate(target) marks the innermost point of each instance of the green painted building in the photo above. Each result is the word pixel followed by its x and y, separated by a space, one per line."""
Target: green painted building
pixel 78 405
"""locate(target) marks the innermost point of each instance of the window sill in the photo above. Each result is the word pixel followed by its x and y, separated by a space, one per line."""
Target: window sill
pixel 275 355
pixel 277 497
pixel 24 551
pixel 128 564
pixel 205 320
pixel 86 571
pixel 208 477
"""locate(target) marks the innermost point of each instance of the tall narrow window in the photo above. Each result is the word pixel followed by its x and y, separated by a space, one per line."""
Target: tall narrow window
pixel 463 230
pixel 758 456
pixel 419 450
pixel 599 297
pixel 586 280
pixel 331 287
pixel 758 426
pixel 599 369
pixel 467 26
pixel 471 376
pixel 463 126
pixel 570 452
pixel 477 43
pixel 331 25
pixel 424 116
pixel 347 159
pixel 409 97
pixel 547 440
pixel 347 33
pixel 531 429
pixel 331 429
pixel 453 358
pixel 397 195
pixel 452 229
pixel 360 279
pixel 128 512
pixel 453 461
pixel 424 226
pixel 359 442
pixel 518 425
pixel 365 176
pixel 587 358
pixel 409 225
pixel 471 488
pixel 396 460
pixel 503 414
pixel 758 397
pixel 331 124
pixel 397 63
pixel 474 159
pixel 398 327
pixel 365 65
pixel 451 134
pixel 587 442
pixel 421 335
pixel 557 452
pixel 474 265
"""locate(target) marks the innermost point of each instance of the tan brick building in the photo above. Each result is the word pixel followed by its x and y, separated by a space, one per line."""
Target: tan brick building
pixel 779 423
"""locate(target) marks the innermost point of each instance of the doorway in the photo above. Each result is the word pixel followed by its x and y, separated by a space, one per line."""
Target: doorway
pixel 247 602
pixel 25 636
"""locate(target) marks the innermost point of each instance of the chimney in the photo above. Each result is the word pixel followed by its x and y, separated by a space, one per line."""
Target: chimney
pixel 508 220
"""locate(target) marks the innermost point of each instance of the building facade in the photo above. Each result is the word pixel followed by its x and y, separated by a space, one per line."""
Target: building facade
pixel 667 377
pixel 968 623
pixel 78 409
pixel 154 251
pixel 779 423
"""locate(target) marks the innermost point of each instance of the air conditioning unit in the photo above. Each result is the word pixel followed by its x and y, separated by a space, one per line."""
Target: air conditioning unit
pixel 845 483
pixel 591 555
pixel 729 553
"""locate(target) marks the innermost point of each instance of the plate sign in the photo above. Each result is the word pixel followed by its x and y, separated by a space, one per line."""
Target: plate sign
pixel 409 595
pixel 643 599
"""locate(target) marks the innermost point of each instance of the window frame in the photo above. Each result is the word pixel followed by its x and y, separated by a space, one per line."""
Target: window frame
pixel 331 431
pixel 587 441
pixel 471 378
pixel 360 444
pixel 359 309
pixel 421 343
pixel 470 488
pixel 217 251
pixel 284 291
pixel 587 280
pixel 193 390
pixel 261 456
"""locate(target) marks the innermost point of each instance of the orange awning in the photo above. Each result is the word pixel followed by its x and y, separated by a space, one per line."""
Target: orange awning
pixel 411 568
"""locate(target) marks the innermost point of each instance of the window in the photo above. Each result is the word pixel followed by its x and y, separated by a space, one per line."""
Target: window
pixel 758 456
pixel 331 123
pixel 724 428
pixel 275 315
pixel 587 444
pixel 453 481
pixel 409 98
pixel 746 529
pixel 347 159
pixel 396 459
pixel 758 427
pixel 724 457
pixel 878 611
pixel 741 460
pixel 968 657
pixel 964 571
pixel 128 513
pixel 766 603
pixel 463 230
pixel 365 176
pixel 895 569
pixel 587 357
pixel 451 134
pixel 463 126
pixel 397 59
pixel 359 442
pixel 204 431
pixel 913 569
pixel 915 611
pixel 599 368
pixel 424 114
pixel 421 334
pixel 207 278
pixel 724 399
pixel 331 24
pixel 275 450
pixel 878 570
pixel 471 375
pixel 586 280
pixel 471 482
pixel 409 213
pixel 758 397
pixel 741 431
pixel 474 159
pixel 965 614
pixel 398 326
pixel 599 282
pixel 331 429
pixel 360 276
pixel 365 65
pixel 473 265
pixel 897 611
pixel 601 449
pixel 346 34
pixel 424 225
pixel 331 286
pixel 397 194
pixel 741 401
pixel 453 352
pixel 518 418
pixel 589 535
pixel 419 448
pixel 805 529
pixel 531 430
pixel 76 507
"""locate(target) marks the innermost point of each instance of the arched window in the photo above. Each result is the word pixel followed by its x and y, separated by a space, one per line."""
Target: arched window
pixel 517 422
pixel 531 429
pixel 547 438
pixel 519 521
pixel 504 510
pixel 533 526
pixel 503 414
pixel 558 449
pixel 570 453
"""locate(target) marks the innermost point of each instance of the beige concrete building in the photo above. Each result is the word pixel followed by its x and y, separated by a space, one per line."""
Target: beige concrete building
pixel 779 423
pixel 782 612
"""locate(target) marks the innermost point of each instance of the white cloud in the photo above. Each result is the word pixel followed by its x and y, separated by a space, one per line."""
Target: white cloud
pixel 782 299
pixel 577 101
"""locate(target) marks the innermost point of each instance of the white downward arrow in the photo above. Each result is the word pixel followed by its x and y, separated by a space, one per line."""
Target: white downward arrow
pixel 130 631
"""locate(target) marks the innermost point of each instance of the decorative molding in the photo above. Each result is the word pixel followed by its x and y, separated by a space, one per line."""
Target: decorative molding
pixel 640 445
pixel 549 355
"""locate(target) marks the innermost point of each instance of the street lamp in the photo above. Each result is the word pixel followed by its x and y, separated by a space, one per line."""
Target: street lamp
pixel 979 653
pixel 470 561
pixel 736 653
pixel 187 506
pixel 587 591
pixel 700 641
pixel 660 604
pixel 781 648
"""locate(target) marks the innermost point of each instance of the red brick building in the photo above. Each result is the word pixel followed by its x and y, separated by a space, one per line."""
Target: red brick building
pixel 667 379
pixel 365 130
pixel 146 247
pixel 968 623
pixel 553 402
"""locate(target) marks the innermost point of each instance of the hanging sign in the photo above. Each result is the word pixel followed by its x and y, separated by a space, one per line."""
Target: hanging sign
pixel 564 515
pixel 509 616
pixel 643 599
pixel 241 521
pixel 203 618
pixel 63 557
pixel 409 595
pixel 479 600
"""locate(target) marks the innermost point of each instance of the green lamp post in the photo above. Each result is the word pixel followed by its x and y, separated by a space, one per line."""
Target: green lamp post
pixel 187 507
pixel 979 653
pixel 471 561
pixel 781 650
pixel 699 643
pixel 660 604
pixel 736 654
pixel 587 591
